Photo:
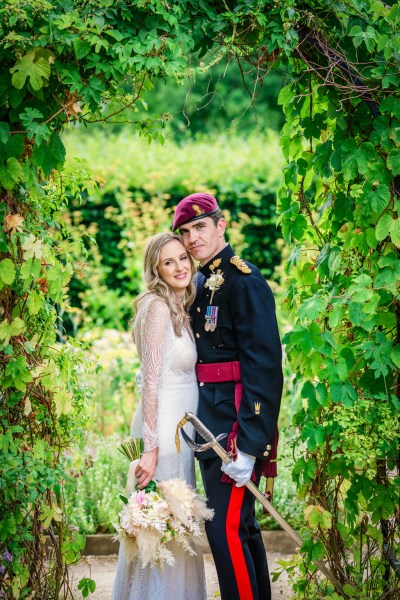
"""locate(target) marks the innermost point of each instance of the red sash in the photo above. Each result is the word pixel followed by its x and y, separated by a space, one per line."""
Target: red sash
pixel 230 371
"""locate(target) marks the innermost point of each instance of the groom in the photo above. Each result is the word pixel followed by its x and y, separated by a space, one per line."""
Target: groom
pixel 240 385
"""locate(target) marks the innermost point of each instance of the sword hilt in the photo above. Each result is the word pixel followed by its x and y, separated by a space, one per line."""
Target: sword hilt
pixel 210 439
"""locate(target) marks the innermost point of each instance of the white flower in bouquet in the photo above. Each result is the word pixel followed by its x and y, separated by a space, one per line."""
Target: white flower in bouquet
pixel 164 512
pixel 143 510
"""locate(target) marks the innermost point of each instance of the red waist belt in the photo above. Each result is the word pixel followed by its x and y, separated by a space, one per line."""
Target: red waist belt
pixel 230 371
pixel 216 372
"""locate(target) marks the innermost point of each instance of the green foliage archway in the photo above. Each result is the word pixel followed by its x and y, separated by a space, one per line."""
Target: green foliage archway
pixel 85 61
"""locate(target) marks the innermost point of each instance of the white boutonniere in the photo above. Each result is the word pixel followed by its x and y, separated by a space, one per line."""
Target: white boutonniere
pixel 215 280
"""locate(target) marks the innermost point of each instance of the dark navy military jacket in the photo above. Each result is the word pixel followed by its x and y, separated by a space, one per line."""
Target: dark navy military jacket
pixel 246 331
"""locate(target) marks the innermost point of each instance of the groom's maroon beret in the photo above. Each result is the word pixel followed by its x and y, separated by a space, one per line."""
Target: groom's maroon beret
pixel 193 207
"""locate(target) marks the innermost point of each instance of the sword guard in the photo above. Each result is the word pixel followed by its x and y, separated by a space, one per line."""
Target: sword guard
pixel 201 447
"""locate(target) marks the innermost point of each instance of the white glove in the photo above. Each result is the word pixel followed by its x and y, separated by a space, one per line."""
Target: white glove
pixel 240 469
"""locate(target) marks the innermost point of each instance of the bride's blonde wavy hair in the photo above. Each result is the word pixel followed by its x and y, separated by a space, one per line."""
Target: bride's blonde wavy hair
pixel 155 285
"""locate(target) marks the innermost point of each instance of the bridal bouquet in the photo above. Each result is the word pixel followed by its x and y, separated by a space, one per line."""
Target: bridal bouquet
pixel 163 512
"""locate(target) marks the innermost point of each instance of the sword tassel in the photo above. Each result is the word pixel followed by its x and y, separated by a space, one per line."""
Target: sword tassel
pixel 181 423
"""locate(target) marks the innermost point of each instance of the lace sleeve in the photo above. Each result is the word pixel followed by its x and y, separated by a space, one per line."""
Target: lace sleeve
pixel 153 337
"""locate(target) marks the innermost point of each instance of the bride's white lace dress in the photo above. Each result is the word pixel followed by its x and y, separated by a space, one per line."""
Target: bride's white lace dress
pixel 168 389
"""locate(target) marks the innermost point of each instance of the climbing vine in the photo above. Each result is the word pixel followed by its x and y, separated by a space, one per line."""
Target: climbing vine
pixel 62 63
pixel 338 206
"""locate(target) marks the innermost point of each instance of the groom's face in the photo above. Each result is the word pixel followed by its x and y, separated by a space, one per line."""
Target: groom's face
pixel 203 238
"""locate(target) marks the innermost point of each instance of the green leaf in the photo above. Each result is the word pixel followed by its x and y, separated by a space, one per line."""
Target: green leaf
pixel 298 227
pixel 336 391
pixel 151 486
pixel 342 369
pixel 349 590
pixel 82 48
pixel 39 449
pixel 49 514
pixel 10 173
pixel 39 132
pixel 395 232
pixel 18 370
pixel 344 393
pixel 4 132
pixel 322 261
pixel 349 165
pixel 63 402
pixel 35 302
pixel 312 308
pixel 286 95
pixel 7 271
pixel 117 35
pixel 308 391
pixel 355 159
pixel 8 330
pixel 322 394
pixel 322 159
pixel 49 156
pixel 334 261
pixel 86 586
pixel 365 155
pixel 379 198
pixel 38 72
pixel 320 435
pixel 368 37
pixel 316 516
pixel 371 238
pixel 14 169
pixel 29 115
pixel 313 549
pixel 393 161
pixel 360 290
pixel 385 278
pixel 395 355
pixel 31 269
pixel 294 258
pixel 383 227
pixel 306 339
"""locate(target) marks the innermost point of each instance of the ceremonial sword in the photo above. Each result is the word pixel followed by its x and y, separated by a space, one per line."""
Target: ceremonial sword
pixel 212 442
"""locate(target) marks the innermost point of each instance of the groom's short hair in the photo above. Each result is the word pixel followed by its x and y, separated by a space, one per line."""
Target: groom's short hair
pixel 217 216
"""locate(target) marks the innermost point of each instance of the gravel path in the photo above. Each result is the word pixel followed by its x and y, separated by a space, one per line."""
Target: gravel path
pixel 102 570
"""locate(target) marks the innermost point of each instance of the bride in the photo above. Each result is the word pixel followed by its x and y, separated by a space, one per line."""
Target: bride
pixel 168 387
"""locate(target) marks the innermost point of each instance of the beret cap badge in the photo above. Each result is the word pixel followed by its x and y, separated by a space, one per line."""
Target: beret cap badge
pixel 197 209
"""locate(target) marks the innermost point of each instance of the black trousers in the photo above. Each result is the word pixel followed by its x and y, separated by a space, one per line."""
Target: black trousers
pixel 235 537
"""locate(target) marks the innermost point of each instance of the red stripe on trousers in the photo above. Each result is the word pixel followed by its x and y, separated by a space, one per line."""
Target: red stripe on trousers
pixel 235 544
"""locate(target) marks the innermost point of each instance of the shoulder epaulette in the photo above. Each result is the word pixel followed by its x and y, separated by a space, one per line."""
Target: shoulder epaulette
pixel 240 264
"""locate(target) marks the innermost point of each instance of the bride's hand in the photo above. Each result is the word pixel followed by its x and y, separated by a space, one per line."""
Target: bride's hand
pixel 146 468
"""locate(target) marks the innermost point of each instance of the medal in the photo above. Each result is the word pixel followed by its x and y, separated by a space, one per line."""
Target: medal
pixel 211 318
